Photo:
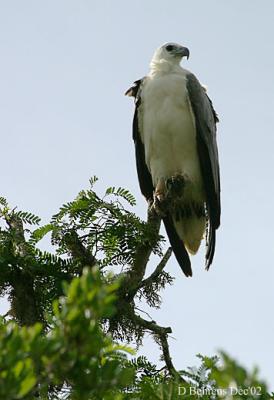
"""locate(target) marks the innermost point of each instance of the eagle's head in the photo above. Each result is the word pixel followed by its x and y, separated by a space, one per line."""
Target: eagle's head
pixel 170 52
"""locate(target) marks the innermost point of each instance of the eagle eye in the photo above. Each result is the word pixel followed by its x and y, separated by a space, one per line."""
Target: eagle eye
pixel 169 47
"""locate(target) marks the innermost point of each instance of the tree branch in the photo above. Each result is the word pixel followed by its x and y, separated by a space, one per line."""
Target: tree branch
pixel 78 250
pixel 135 275
pixel 148 281
pixel 161 333
pixel 24 307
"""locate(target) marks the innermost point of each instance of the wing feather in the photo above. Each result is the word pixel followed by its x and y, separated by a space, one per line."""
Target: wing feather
pixel 144 176
pixel 178 246
pixel 205 121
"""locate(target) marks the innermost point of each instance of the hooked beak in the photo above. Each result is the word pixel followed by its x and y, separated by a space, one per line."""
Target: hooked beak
pixel 183 52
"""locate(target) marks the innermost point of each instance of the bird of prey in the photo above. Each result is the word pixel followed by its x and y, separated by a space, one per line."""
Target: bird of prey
pixel 174 130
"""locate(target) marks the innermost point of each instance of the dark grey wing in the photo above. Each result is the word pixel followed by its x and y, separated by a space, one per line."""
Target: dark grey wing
pixel 144 176
pixel 205 120
pixel 146 185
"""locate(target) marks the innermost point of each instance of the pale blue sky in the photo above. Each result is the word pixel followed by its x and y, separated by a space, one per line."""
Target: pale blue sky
pixel 63 118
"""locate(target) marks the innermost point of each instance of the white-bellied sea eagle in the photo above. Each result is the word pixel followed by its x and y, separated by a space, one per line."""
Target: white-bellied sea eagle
pixel 174 130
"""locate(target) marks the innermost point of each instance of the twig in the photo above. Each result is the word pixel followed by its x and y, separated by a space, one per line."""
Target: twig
pixel 144 312
pixel 157 270
pixel 161 333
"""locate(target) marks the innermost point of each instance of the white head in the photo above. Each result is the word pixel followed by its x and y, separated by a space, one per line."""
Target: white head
pixel 171 53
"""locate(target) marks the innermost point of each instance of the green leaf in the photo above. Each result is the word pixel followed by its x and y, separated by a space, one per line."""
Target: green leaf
pixel 26 386
pixel 39 233
pixel 28 217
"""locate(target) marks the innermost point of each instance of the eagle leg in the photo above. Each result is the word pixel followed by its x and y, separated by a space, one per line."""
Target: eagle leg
pixel 175 186
pixel 160 201
pixel 167 194
pixel 175 189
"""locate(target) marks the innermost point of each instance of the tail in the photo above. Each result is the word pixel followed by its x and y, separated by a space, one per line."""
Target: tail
pixel 178 246
pixel 211 241
pixel 191 230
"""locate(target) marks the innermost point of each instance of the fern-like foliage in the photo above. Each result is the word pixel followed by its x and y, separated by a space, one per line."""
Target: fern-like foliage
pixel 3 202
pixel 120 192
pixel 28 218
pixel 151 292
pixel 103 225
pixel 90 229
pixel 39 233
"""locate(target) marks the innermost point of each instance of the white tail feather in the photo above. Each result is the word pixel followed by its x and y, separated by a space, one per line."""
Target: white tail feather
pixel 191 230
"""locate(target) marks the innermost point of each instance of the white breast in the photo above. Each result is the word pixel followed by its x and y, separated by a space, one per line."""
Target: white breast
pixel 167 127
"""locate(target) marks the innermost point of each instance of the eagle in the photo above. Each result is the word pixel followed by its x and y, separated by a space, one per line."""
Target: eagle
pixel 174 131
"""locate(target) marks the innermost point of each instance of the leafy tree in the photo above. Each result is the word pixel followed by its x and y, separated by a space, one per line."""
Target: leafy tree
pixel 68 315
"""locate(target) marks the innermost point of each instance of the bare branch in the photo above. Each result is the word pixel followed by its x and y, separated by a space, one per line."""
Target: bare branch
pixel 158 269
pixel 161 333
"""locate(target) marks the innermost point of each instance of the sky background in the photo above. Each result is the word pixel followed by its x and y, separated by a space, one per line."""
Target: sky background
pixel 64 68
